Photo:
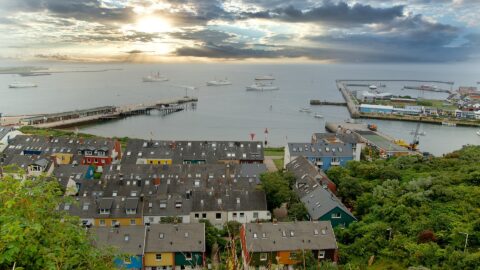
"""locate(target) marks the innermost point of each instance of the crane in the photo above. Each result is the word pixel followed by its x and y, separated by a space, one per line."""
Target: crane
pixel 416 139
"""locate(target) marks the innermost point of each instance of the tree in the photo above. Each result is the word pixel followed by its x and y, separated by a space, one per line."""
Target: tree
pixel 35 235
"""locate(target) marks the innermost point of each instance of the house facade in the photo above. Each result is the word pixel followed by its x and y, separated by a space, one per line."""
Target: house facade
pixel 285 243
pixel 322 154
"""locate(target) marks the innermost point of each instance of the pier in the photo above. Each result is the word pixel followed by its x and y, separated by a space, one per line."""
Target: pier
pixel 351 105
pixel 79 117
pixel 327 103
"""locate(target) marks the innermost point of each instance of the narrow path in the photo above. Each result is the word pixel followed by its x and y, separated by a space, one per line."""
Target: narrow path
pixel 270 164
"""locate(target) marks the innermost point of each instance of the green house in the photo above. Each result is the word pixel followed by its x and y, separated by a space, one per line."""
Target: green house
pixel 191 259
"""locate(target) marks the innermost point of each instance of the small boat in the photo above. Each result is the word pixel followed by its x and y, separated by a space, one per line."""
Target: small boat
pixel 421 133
pixel 262 87
pixel 373 87
pixel 372 127
pixel 449 124
pixel 22 85
pixel 155 78
pixel 305 110
pixel 265 78
pixel 318 115
pixel 478 133
pixel 219 82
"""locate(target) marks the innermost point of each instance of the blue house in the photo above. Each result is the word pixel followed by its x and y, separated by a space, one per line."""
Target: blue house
pixel 128 240
pixel 372 108
pixel 322 154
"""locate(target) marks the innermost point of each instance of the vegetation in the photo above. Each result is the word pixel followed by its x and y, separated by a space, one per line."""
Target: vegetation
pixel 278 163
pixel 413 212
pixel 274 151
pixel 53 132
pixel 278 187
pixel 34 235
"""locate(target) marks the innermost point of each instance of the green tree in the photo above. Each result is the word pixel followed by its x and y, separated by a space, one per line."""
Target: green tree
pixel 34 235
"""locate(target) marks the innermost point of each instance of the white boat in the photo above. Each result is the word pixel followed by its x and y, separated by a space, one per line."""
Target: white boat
pixel 478 133
pixel 305 110
pixel 155 78
pixel 264 78
pixel 318 115
pixel 421 133
pixel 373 87
pixel 22 85
pixel 449 124
pixel 219 82
pixel 262 87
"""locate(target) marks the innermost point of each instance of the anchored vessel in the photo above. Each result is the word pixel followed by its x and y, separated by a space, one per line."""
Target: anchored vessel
pixel 22 85
pixel 265 78
pixel 155 78
pixel 262 87
pixel 219 82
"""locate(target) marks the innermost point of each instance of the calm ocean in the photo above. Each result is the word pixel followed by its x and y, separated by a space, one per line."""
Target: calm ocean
pixel 230 112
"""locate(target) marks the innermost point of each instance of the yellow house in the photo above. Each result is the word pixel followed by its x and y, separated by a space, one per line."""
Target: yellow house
pixel 110 222
pixel 63 158
pixel 159 161
pixel 153 259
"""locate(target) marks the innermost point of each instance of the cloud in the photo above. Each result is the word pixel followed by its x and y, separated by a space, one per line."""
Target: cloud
pixel 340 14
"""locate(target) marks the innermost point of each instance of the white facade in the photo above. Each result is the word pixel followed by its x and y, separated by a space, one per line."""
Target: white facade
pixel 219 218
pixel 157 219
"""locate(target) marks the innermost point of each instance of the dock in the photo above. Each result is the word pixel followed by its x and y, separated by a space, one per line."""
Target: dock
pixel 84 116
pixel 327 103
pixel 351 105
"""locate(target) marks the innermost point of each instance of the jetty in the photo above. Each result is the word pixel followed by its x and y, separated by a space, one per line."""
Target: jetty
pixel 349 100
pixel 79 117
pixel 327 103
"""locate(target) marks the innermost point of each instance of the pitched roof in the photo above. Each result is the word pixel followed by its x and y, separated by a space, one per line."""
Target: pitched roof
pixel 320 149
pixel 319 201
pixel 289 236
pixel 307 173
pixel 176 238
pixel 229 200
pixel 127 239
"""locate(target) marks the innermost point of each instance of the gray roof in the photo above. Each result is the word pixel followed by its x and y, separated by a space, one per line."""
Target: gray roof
pixel 319 201
pixel 320 149
pixel 126 239
pixel 307 173
pixel 184 151
pixel 287 236
pixel 4 131
pixel 176 238
pixel 228 200
pixel 349 138
pixel 381 141
pixel 153 206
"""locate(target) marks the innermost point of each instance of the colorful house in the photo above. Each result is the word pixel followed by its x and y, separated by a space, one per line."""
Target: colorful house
pixel 286 243
pixel 175 246
pixel 129 241
pixel 321 153
pixel 118 211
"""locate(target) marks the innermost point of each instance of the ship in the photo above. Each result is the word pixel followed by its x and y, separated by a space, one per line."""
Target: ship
pixel 262 87
pixel 22 85
pixel 219 82
pixel 155 78
pixel 305 110
pixel 264 78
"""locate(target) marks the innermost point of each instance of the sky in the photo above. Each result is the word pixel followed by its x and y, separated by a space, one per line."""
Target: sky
pixel 240 30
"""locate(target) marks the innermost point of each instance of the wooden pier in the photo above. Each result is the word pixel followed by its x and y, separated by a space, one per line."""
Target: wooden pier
pixel 79 117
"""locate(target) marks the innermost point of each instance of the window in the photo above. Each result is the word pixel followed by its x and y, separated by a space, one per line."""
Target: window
pixel 204 215
pixel 188 256
pixel 255 215
pixel 158 257
pixel 218 215
pixel 321 254
pixel 264 235
pixel 186 234
pixel 315 232
pixel 284 234
pixel 161 235
pixel 242 214
pixel 102 222
pixel 255 236
pixel 293 256
pixel 197 216
pixel 127 260
pixel 292 233
pixel 114 222
pixel 66 207
pixel 336 215
pixel 163 204
pixel 263 256
pixel 127 237
pixel 234 215
pixel 133 222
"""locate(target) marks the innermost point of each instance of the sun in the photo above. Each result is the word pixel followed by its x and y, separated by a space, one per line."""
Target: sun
pixel 152 24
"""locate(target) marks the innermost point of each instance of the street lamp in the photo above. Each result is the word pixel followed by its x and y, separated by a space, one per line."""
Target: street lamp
pixel 466 241
pixel 389 233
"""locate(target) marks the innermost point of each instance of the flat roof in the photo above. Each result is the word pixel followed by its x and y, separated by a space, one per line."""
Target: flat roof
pixel 381 142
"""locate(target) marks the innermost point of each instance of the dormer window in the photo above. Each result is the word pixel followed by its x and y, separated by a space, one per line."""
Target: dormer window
pixel 131 211
pixel 163 204
pixel 178 204
pixel 105 211
pixel 292 233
